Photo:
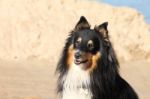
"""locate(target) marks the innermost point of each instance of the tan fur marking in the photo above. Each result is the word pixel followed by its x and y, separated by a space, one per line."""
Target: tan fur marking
pixel 70 55
pixel 90 42
pixel 79 39
pixel 94 61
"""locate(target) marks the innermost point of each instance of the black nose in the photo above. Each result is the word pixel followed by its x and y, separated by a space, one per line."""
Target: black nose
pixel 77 55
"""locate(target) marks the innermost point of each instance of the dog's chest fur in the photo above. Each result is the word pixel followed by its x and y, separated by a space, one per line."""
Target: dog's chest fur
pixel 76 84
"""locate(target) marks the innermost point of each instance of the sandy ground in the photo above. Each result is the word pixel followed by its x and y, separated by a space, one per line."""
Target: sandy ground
pixel 36 79
pixel 27 80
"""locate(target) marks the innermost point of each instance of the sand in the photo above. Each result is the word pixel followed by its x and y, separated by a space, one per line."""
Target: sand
pixel 27 80
pixel 37 29
pixel 37 80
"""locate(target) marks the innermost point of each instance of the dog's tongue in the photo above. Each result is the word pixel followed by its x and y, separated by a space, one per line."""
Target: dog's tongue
pixel 77 62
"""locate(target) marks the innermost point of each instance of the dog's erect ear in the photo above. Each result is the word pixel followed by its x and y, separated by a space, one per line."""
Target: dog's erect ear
pixel 102 29
pixel 82 24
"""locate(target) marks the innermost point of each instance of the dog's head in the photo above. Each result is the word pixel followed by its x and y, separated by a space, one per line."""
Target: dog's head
pixel 86 45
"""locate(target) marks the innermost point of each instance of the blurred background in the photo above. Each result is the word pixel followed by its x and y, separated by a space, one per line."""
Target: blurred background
pixel 33 32
pixel 140 5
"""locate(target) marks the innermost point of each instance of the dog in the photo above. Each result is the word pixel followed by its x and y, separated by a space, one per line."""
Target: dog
pixel 88 66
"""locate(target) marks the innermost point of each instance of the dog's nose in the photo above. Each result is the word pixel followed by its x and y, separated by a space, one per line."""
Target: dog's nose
pixel 77 55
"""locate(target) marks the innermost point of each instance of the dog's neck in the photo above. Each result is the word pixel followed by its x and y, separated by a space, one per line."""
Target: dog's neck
pixel 76 78
pixel 76 84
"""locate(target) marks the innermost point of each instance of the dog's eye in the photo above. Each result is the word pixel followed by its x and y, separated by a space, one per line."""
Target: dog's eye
pixel 90 45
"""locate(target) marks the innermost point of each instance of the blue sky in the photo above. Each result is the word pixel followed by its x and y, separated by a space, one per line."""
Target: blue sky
pixel 142 6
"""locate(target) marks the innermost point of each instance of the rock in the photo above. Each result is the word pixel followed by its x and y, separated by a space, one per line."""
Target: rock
pixel 37 29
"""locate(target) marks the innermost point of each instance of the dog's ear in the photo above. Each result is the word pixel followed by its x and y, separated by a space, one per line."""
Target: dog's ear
pixel 82 24
pixel 102 29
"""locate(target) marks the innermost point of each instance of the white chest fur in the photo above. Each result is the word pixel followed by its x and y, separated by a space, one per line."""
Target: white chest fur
pixel 73 81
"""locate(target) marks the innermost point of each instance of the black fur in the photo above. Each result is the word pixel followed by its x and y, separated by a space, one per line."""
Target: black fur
pixel 106 83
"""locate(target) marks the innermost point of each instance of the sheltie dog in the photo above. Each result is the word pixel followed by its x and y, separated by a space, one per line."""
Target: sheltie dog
pixel 88 67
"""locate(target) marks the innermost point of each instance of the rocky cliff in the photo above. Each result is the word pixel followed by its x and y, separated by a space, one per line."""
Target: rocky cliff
pixel 38 28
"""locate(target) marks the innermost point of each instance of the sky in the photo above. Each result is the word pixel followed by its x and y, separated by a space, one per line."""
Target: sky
pixel 143 6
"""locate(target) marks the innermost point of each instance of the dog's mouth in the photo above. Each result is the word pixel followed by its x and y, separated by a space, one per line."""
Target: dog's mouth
pixel 78 61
